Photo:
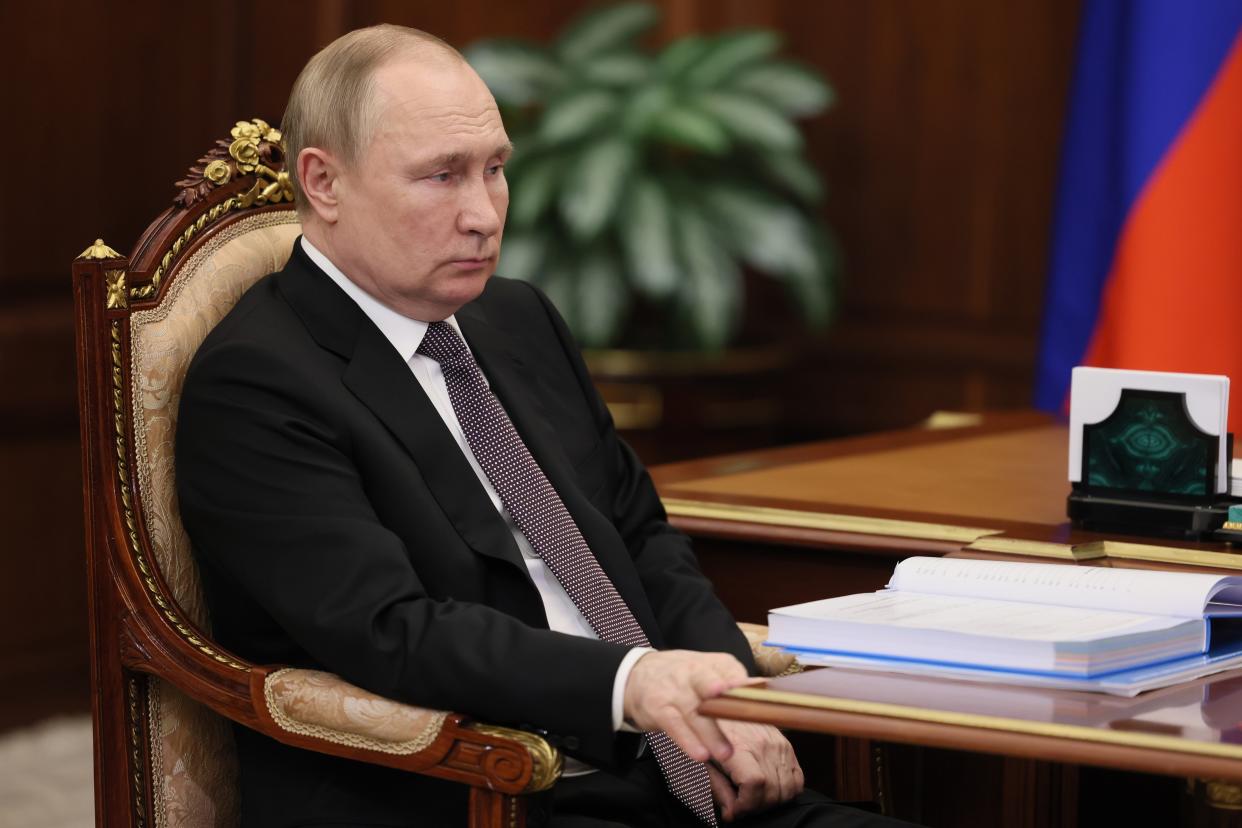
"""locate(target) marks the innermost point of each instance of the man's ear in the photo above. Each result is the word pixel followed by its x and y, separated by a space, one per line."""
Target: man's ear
pixel 319 174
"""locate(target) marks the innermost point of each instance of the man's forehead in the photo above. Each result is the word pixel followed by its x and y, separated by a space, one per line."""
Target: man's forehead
pixel 438 98
pixel 436 83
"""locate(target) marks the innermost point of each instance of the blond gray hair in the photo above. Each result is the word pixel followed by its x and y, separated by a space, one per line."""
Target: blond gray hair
pixel 332 104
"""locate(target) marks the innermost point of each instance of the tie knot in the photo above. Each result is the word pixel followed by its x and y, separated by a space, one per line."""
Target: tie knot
pixel 442 343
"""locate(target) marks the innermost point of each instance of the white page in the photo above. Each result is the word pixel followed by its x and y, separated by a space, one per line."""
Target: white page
pixel 976 617
pixel 1180 594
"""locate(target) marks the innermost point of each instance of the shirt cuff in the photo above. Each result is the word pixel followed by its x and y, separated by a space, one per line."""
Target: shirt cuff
pixel 618 689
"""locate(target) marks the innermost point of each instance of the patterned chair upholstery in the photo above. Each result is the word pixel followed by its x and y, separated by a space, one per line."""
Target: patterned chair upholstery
pixel 165 693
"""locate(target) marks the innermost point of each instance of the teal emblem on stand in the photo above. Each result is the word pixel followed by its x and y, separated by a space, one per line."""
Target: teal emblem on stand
pixel 1150 445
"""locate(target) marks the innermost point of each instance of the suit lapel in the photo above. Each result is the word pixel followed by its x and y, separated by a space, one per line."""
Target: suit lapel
pixel 378 377
pixel 382 381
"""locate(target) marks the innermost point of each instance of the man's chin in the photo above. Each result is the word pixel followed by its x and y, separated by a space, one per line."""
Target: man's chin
pixel 466 287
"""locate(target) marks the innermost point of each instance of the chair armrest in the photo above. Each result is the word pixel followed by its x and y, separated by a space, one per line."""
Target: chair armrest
pixel 322 705
pixel 770 661
pixel 323 712
pixel 324 708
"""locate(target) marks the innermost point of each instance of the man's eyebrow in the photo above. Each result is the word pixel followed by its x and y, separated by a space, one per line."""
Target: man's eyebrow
pixel 444 159
pixel 453 159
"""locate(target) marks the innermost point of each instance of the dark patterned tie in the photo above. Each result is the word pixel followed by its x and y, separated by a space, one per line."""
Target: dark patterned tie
pixel 538 512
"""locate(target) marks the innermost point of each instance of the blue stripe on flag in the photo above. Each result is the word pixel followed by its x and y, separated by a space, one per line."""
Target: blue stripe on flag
pixel 1142 68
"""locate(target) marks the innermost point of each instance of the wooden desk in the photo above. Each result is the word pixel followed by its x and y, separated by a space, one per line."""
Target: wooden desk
pixel 796 524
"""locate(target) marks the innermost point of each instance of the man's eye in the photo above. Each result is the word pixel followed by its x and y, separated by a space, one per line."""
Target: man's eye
pixel 495 169
pixel 441 177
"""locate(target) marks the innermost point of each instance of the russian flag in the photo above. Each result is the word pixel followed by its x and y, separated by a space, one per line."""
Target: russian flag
pixel 1146 268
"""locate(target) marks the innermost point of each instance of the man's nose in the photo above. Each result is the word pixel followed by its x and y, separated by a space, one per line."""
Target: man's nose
pixel 478 211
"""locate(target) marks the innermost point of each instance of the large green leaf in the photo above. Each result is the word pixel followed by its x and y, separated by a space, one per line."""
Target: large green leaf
pixel 621 69
pixel 781 241
pixel 771 235
pixel 681 55
pixel 602 297
pixel 646 230
pixel 752 121
pixel 690 128
pixel 712 284
pixel 814 292
pixel 522 255
pixel 604 30
pixel 790 171
pixel 594 185
pixel 643 106
pixel 577 114
pixel 728 53
pixel 517 73
pixel 556 278
pixel 790 88
pixel 533 188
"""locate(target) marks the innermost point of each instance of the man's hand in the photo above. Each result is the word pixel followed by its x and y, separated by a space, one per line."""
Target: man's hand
pixel 762 772
pixel 664 691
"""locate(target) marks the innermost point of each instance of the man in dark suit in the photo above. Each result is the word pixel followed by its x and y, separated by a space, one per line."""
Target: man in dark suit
pixel 394 467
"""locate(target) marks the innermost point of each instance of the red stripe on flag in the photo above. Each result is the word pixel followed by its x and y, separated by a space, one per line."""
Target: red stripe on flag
pixel 1173 299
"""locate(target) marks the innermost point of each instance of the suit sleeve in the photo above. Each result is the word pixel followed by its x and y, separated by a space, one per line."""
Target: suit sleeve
pixel 689 613
pixel 279 513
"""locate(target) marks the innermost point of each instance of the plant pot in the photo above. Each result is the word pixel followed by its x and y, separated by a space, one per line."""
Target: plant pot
pixel 673 405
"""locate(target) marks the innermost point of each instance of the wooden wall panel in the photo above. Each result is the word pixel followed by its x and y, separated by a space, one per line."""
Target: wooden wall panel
pixel 939 158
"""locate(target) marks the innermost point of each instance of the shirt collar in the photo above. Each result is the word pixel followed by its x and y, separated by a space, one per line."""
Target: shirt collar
pixel 404 333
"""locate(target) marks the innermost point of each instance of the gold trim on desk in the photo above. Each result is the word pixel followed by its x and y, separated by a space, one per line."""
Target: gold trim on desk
pixel 797 519
pixel 1118 550
pixel 976 539
pixel 1038 549
pixel 1167 554
pixel 1127 738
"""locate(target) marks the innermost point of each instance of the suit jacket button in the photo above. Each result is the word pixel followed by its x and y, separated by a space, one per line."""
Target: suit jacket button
pixel 570 742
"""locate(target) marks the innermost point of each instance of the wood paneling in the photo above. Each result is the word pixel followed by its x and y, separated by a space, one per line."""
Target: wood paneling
pixel 939 156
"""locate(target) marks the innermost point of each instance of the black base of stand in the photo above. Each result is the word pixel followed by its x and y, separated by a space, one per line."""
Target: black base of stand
pixel 1151 517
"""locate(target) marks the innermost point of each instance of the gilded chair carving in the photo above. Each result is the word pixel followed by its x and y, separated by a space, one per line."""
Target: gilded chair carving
pixel 164 692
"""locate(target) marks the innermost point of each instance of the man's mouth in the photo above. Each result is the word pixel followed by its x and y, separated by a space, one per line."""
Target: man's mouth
pixel 471 263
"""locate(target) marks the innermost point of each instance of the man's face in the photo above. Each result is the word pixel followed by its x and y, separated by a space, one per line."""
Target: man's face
pixel 421 211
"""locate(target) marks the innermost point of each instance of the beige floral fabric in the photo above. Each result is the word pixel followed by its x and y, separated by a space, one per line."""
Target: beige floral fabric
pixel 163 339
pixel 193 761
pixel 769 660
pixel 193 758
pixel 313 703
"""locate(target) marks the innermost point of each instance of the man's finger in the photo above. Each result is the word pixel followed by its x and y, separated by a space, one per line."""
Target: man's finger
pixel 718 745
pixel 712 682
pixel 723 792
pixel 791 776
pixel 752 782
pixel 679 730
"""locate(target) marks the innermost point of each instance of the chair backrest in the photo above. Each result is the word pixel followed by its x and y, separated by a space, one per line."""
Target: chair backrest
pixel 138 327
pixel 194 768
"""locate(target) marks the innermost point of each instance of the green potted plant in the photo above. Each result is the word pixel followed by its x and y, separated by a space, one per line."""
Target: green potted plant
pixel 645 183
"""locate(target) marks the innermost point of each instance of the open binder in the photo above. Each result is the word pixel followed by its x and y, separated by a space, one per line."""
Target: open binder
pixel 1075 627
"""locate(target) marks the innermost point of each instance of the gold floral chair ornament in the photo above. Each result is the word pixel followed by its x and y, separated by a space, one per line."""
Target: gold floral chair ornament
pixel 164 692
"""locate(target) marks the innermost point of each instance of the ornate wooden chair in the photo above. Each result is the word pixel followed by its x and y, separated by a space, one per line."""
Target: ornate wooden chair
pixel 164 693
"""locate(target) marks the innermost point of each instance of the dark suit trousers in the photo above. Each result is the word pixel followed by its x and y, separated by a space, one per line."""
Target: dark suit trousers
pixel 639 799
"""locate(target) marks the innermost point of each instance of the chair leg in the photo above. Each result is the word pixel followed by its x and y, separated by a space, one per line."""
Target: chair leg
pixel 491 809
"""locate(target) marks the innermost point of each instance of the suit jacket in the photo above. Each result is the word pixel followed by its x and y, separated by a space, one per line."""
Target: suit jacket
pixel 338 526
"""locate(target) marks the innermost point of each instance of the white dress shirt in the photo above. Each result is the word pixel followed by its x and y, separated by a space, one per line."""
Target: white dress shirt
pixel 406 335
